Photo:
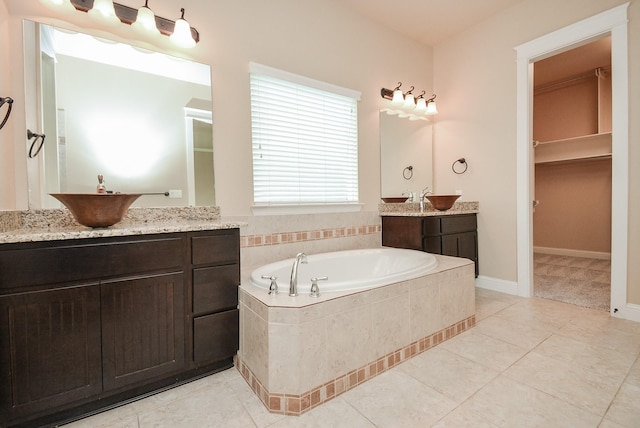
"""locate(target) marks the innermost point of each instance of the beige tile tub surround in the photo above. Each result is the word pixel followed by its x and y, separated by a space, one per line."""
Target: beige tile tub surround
pixel 297 353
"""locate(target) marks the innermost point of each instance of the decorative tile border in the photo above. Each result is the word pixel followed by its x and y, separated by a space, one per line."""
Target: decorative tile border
pixel 295 405
pixel 305 236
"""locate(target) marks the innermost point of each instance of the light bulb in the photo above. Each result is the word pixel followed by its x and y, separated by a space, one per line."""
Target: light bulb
pixel 398 97
pixel 421 105
pixel 146 20
pixel 431 108
pixel 409 102
pixel 59 5
pixel 103 11
pixel 181 35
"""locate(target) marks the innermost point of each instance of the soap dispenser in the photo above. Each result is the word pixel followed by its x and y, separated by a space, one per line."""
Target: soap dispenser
pixel 101 187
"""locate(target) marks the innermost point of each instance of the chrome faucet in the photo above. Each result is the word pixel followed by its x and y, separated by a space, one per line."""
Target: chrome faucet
pixel 423 193
pixel 293 284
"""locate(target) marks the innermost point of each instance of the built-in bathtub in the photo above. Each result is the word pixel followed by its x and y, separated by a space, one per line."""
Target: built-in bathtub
pixel 298 352
pixel 349 270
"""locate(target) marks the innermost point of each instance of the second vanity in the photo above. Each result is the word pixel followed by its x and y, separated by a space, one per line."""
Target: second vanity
pixel 450 233
pixel 90 318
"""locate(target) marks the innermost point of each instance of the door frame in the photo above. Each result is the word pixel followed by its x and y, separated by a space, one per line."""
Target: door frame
pixel 613 22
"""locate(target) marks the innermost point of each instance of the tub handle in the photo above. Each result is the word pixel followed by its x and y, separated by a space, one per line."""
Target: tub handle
pixel 273 287
pixel 315 290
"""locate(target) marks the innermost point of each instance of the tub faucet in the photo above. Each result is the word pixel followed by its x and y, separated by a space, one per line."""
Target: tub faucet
pixel 293 284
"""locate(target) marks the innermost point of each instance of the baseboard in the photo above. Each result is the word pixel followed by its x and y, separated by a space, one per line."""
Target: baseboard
pixel 630 312
pixel 495 284
pixel 572 253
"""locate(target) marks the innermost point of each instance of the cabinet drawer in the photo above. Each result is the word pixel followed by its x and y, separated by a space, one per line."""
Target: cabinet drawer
pixel 221 248
pixel 215 288
pixel 69 261
pixel 215 337
pixel 458 223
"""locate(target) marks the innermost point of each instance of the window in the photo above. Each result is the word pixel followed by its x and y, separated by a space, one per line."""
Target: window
pixel 305 140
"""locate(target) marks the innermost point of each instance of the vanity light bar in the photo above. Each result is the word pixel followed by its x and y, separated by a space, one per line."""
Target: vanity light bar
pixel 407 105
pixel 128 15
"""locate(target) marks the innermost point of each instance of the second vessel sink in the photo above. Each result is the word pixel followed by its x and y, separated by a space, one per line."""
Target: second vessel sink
pixel 97 209
pixel 442 202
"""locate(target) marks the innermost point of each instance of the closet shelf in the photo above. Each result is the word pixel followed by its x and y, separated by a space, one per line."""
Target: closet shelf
pixel 588 147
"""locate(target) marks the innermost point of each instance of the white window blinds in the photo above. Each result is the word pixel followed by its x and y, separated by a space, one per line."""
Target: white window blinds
pixel 305 140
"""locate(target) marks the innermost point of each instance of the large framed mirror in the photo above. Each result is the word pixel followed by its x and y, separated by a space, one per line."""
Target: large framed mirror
pixel 141 119
pixel 405 156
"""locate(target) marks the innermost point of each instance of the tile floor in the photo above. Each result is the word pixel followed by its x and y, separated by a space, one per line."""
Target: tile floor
pixel 528 363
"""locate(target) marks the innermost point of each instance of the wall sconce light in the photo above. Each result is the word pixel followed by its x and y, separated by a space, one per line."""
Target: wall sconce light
pixel 406 105
pixel 188 36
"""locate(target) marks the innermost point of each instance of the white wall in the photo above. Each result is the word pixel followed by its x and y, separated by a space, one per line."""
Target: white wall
pixel 474 75
pixel 320 39
pixel 475 78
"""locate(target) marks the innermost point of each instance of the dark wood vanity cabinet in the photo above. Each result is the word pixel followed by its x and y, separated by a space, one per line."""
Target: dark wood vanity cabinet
pixel 85 324
pixel 449 235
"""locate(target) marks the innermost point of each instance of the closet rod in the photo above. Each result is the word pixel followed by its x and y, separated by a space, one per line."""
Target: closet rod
pixel 553 85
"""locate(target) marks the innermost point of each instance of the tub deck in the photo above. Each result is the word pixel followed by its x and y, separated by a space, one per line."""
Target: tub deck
pixel 298 352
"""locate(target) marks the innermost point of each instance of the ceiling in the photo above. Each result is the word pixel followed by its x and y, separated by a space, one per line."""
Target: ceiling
pixel 429 21
pixel 432 21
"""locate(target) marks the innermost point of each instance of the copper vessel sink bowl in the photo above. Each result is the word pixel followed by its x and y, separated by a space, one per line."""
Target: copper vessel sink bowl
pixel 442 202
pixel 97 209
pixel 394 200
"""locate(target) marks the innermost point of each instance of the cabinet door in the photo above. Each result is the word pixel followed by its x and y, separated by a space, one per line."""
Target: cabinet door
pixel 402 232
pixel 461 245
pixel 49 350
pixel 143 325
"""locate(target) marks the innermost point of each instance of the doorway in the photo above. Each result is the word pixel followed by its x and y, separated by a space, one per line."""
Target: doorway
pixel 614 23
pixel 572 176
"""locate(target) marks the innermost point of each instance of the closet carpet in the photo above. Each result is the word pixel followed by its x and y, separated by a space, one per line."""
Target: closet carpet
pixel 579 281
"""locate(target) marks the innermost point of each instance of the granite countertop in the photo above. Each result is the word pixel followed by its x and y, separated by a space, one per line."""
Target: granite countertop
pixel 405 209
pixel 58 224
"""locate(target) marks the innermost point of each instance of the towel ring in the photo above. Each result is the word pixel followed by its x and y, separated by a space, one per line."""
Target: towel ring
pixel 35 137
pixel 464 164
pixel 9 102
pixel 407 173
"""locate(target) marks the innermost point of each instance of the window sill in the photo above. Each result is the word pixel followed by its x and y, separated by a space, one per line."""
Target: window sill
pixel 305 209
